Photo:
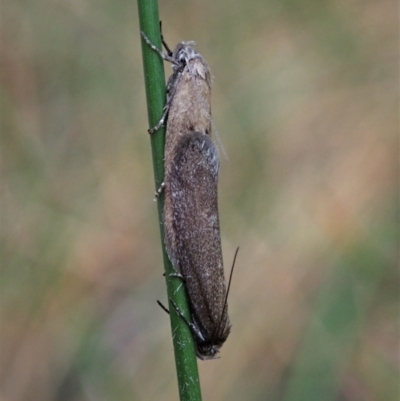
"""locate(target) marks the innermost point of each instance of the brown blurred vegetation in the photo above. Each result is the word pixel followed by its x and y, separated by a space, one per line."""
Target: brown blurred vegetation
pixel 305 102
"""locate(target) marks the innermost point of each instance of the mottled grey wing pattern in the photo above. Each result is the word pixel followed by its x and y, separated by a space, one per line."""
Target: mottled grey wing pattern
pixel 193 191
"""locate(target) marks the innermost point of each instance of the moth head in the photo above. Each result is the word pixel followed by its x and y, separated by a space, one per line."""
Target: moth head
pixel 183 53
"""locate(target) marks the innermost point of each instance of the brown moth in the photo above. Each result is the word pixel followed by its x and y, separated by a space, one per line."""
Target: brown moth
pixel 191 221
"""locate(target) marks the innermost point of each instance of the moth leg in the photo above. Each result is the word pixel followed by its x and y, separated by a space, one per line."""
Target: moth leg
pixel 164 56
pixel 179 312
pixel 162 306
pixel 159 191
pixel 161 122
pixel 193 328
pixel 170 94
pixel 175 274
pixel 171 85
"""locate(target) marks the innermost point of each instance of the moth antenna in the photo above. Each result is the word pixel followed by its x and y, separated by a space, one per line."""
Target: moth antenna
pixel 227 291
pixel 169 51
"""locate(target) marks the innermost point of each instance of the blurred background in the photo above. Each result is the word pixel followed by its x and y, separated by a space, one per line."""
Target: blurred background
pixel 305 103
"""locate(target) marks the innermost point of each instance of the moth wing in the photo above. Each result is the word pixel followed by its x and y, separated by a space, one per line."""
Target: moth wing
pixel 197 249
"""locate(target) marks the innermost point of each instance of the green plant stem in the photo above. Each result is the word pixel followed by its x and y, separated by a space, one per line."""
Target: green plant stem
pixel 185 355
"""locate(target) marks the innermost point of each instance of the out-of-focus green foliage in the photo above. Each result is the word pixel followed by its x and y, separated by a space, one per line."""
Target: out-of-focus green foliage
pixel 305 103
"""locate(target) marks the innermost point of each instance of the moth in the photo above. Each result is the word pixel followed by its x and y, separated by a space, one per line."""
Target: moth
pixel 191 220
